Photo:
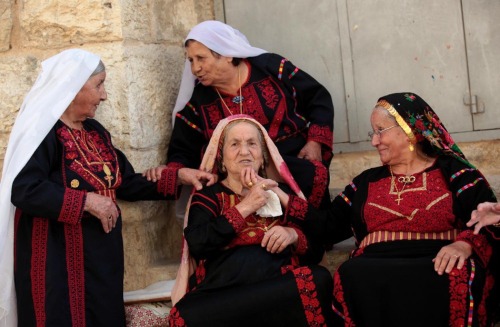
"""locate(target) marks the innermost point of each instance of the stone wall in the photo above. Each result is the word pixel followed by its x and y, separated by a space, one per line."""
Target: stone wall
pixel 140 42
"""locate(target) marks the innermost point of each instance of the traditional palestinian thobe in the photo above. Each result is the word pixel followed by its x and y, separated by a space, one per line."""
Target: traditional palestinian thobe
pixel 292 106
pixel 68 271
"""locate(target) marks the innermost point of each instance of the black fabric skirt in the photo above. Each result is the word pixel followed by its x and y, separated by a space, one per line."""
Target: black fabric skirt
pixel 247 287
pixel 395 284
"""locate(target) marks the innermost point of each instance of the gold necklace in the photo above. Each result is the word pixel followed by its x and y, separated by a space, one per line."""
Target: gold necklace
pixel 240 97
pixel 394 185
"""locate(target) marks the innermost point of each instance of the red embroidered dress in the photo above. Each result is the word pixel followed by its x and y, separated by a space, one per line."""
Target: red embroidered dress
pixel 390 279
pixel 68 271
pixel 292 106
pixel 239 283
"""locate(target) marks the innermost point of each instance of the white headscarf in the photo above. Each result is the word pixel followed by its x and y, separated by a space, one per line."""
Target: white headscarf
pixel 221 38
pixel 62 77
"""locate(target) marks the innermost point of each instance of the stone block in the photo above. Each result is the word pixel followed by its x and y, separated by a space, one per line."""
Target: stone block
pixel 63 23
pixel 5 24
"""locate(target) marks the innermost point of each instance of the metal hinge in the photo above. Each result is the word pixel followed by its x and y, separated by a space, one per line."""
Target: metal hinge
pixel 476 106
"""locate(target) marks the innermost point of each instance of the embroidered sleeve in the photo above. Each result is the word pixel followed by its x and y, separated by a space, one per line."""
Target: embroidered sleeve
pixel 72 207
pixel 320 184
pixel 235 218
pixel 321 134
pixel 167 185
pixel 479 244
pixel 297 208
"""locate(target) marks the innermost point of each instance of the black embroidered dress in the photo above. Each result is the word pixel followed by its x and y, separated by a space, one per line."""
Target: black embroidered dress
pixel 239 283
pixel 390 279
pixel 292 106
pixel 68 271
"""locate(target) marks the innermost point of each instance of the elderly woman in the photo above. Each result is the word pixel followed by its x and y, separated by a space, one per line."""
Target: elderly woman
pixel 224 75
pixel 245 235
pixel 63 175
pixel 416 262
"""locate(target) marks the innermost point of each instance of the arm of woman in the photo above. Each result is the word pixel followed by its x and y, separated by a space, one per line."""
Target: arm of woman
pixel 135 187
pixel 208 230
pixel 469 188
pixel 38 189
pixel 316 105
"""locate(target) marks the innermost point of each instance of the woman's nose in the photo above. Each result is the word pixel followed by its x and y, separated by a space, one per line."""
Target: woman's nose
pixel 244 149
pixel 104 94
pixel 375 140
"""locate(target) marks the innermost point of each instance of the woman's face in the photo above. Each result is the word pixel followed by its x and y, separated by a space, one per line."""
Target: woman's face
pixel 86 101
pixel 242 148
pixel 392 144
pixel 210 69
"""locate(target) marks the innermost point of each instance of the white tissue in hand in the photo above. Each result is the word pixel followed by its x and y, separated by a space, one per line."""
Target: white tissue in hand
pixel 272 208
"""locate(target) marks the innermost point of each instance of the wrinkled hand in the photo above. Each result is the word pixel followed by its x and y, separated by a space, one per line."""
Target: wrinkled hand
pixel 103 208
pixel 154 174
pixel 249 178
pixel 254 190
pixel 311 151
pixel 487 213
pixel 278 238
pixel 195 177
pixel 450 255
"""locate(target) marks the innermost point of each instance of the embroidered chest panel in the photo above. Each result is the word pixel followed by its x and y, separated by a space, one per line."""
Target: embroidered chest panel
pixel 416 207
pixel 90 161
pixel 256 226
pixel 264 100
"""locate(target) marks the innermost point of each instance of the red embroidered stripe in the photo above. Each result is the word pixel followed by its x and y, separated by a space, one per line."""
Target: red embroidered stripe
pixel 38 263
pixel 308 295
pixel 76 277
pixel 319 184
pixel 167 185
pixel 297 208
pixel 235 218
pixel 72 199
pixel 387 236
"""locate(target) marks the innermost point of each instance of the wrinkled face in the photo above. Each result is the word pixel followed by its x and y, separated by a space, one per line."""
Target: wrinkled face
pixel 210 69
pixel 242 148
pixel 90 96
pixel 392 144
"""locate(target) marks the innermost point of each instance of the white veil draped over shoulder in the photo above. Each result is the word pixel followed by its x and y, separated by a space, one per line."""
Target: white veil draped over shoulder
pixel 61 78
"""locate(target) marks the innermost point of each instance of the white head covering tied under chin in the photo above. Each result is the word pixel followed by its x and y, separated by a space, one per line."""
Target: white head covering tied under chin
pixel 221 38
pixel 62 77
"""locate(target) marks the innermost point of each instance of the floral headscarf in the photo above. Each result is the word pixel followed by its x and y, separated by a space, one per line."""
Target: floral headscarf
pixel 421 123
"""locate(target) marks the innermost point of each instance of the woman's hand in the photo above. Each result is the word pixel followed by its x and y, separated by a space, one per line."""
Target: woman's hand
pixel 103 208
pixel 197 178
pixel 254 190
pixel 487 213
pixel 278 238
pixel 450 255
pixel 249 178
pixel 186 176
pixel 154 174
pixel 311 151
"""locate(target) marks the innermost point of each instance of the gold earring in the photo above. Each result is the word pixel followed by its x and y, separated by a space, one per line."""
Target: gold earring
pixel 412 148
pixel 223 168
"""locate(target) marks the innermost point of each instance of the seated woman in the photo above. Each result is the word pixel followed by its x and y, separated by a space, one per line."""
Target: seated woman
pixel 246 245
pixel 417 263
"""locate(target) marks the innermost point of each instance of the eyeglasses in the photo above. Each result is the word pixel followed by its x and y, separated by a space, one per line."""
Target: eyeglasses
pixel 371 134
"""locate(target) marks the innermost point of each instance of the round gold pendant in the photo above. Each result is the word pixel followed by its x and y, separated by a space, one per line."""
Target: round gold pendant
pixel 75 183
